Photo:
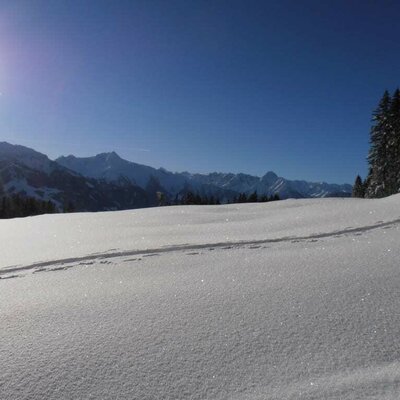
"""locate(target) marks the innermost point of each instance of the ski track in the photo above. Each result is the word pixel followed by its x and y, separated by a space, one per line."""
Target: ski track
pixel 17 270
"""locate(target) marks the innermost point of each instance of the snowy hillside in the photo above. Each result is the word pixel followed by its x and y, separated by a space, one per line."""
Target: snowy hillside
pixel 295 299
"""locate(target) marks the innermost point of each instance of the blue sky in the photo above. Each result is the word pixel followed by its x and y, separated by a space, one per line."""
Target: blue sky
pixel 203 86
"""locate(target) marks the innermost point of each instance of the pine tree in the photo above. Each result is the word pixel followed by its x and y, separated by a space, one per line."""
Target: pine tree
pixel 275 197
pixel 242 198
pixel 358 188
pixel 69 207
pixel 49 207
pixel 394 144
pixel 253 198
pixel 377 158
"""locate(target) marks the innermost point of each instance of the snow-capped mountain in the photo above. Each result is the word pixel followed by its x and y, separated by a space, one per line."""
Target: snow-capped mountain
pixel 108 182
pixel 271 183
pixel 26 156
pixel 111 167
pixel 26 172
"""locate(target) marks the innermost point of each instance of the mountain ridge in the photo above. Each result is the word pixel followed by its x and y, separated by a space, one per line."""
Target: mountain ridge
pixel 100 167
pixel 108 182
pixel 26 172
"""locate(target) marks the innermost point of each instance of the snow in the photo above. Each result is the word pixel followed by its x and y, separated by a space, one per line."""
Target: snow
pixel 20 185
pixel 50 237
pixel 295 299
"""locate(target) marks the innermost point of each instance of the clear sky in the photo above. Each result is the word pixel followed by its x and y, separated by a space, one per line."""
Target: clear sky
pixel 203 86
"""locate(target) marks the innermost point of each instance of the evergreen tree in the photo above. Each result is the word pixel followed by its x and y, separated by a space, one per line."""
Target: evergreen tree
pixel 69 207
pixel 394 144
pixel 189 198
pixel 5 208
pixel 50 207
pixel 242 198
pixel 253 197
pixel 161 199
pixel 275 197
pixel 378 177
pixel 358 188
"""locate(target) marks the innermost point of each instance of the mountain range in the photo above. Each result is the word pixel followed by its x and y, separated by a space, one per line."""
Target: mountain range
pixel 108 182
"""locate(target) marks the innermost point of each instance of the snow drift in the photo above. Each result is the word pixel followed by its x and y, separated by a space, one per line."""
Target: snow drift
pixel 295 299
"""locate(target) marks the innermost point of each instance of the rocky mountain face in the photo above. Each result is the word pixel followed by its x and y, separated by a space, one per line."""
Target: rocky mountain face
pixel 108 182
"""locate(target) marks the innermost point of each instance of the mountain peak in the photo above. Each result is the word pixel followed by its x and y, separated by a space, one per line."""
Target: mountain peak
pixel 9 148
pixel 109 157
pixel 25 155
pixel 271 174
pixel 269 178
pixel 114 156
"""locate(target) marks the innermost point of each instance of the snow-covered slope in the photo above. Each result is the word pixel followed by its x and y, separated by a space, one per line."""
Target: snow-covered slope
pixel 111 167
pixel 295 299
pixel 63 236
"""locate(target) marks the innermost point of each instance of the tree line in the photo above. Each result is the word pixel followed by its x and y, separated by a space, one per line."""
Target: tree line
pixel 383 177
pixel 191 198
pixel 18 206
pixel 255 198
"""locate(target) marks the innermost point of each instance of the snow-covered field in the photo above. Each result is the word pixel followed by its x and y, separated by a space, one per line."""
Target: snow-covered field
pixel 297 299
